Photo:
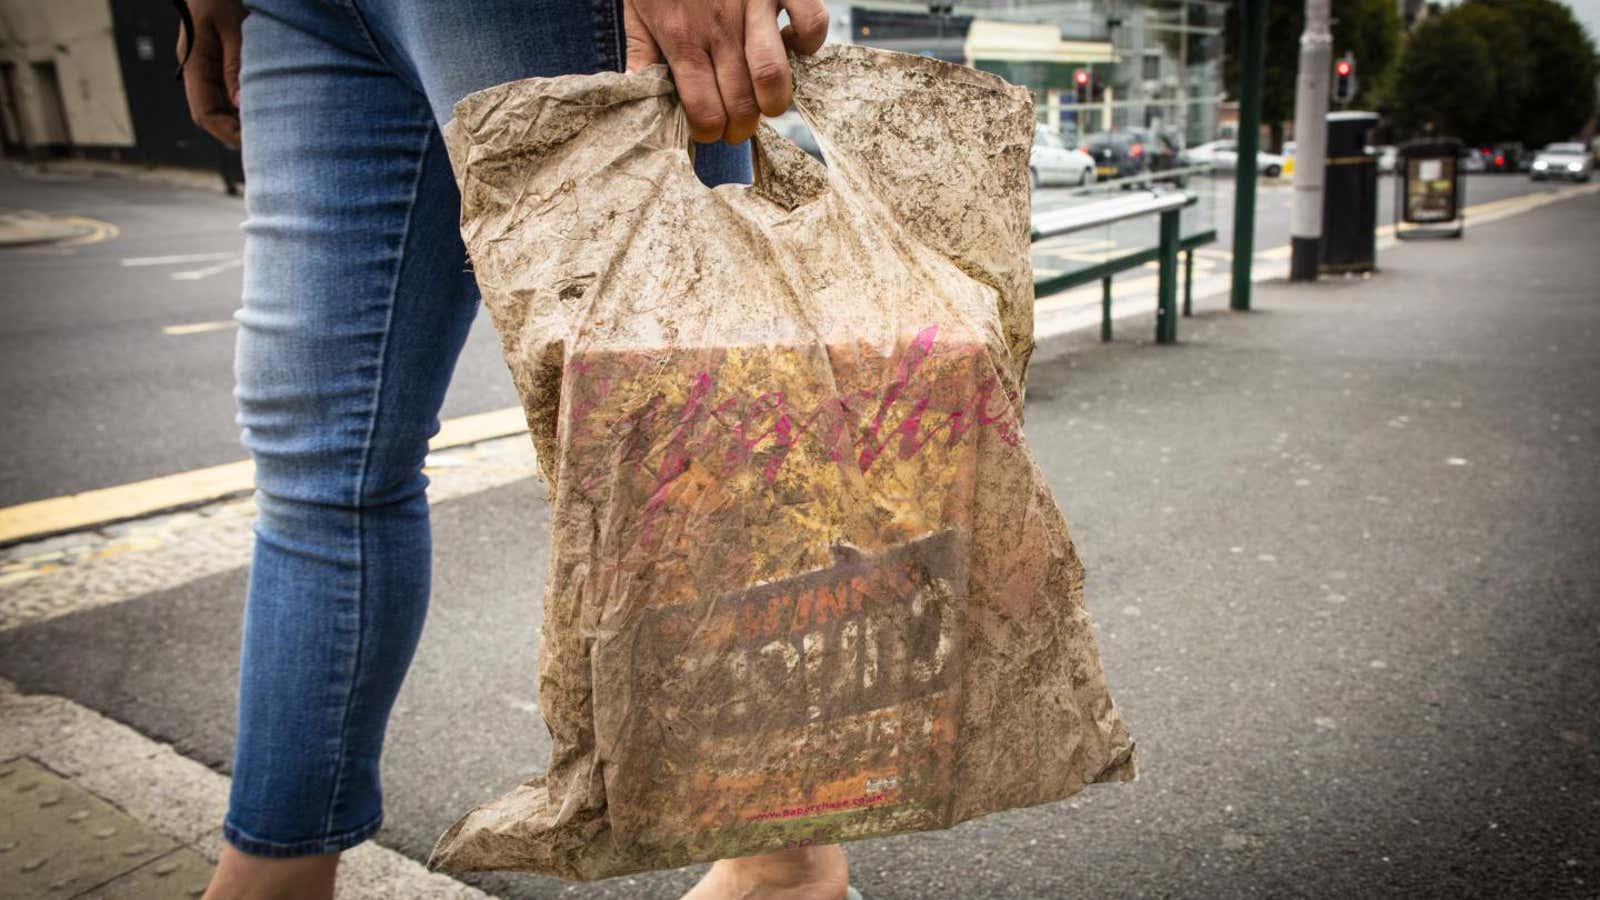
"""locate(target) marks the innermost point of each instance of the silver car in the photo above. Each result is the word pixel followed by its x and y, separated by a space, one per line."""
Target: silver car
pixel 1562 161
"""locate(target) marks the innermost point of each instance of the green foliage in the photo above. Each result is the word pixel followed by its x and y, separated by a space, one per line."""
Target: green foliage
pixel 1443 79
pixel 1559 91
pixel 1537 67
pixel 1510 71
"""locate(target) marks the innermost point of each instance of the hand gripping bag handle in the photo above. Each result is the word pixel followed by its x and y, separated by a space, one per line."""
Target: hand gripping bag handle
pixel 943 147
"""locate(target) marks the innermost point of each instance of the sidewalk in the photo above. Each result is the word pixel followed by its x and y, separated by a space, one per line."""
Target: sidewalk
pixel 90 808
pixel 1336 553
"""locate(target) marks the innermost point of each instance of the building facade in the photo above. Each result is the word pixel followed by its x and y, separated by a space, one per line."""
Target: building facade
pixel 95 78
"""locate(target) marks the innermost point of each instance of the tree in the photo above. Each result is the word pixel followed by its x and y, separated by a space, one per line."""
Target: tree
pixel 1538 63
pixel 1442 79
pixel 1371 29
pixel 1560 92
pixel 1510 69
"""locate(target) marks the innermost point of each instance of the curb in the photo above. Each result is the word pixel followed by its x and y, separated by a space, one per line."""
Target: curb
pixel 90 783
pixel 170 176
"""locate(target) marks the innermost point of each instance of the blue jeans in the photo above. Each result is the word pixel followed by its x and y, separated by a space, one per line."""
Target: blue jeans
pixel 356 304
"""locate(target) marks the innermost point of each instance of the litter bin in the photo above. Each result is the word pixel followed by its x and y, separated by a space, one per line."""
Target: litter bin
pixel 1350 196
pixel 1428 188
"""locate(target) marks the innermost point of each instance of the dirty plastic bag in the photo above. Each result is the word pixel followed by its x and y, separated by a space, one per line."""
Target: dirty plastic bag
pixel 806 584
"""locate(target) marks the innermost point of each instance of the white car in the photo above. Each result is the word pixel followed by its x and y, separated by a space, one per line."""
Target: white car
pixel 1568 160
pixel 1053 162
pixel 1224 156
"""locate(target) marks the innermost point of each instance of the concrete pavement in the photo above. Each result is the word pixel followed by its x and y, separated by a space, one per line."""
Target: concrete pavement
pixel 1339 553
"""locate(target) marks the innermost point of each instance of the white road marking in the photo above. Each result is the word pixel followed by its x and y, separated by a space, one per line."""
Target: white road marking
pixel 208 271
pixel 178 260
pixel 200 327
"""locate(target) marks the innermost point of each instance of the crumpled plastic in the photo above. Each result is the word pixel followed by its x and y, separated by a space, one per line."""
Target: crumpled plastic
pixel 806 584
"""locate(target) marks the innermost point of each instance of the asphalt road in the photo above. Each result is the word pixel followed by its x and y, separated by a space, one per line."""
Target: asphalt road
pixel 1341 554
pixel 99 394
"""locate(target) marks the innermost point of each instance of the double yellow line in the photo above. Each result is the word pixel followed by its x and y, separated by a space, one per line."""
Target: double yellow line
pixel 142 498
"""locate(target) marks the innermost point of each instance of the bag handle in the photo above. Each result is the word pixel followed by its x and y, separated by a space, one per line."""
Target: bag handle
pixel 945 147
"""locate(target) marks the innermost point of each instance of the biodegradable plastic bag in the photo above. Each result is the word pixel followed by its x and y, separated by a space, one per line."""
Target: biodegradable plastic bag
pixel 806 584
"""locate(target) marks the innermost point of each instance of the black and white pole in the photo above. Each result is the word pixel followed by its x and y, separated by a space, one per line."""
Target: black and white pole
pixel 1311 143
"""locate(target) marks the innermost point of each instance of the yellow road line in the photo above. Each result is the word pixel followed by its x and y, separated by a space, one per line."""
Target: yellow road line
pixel 200 327
pixel 141 498
pixel 98 231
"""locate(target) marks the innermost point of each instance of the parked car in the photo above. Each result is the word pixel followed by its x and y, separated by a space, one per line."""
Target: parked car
pixel 1115 154
pixel 1224 155
pixel 1158 146
pixel 1505 157
pixel 1565 160
pixel 1053 162
pixel 1472 160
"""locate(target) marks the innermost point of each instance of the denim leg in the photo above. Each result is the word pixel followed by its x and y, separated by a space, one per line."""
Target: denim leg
pixel 447 51
pixel 356 304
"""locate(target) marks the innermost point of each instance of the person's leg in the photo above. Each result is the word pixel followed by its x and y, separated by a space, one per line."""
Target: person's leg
pixel 356 304
pixel 450 50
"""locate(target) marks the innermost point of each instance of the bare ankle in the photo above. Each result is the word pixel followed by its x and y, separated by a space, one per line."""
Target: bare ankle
pixel 790 867
pixel 240 876
pixel 810 873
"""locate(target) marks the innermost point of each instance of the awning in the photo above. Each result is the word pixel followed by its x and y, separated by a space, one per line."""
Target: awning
pixel 1022 42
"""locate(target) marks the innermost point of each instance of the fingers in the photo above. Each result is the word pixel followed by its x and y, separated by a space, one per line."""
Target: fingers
pixel 738 98
pixel 229 33
pixel 696 82
pixel 808 25
pixel 729 60
pixel 642 49
pixel 766 58
pixel 206 88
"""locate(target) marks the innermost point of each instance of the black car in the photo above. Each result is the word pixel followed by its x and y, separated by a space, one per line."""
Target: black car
pixel 1509 157
pixel 1116 155
pixel 1157 147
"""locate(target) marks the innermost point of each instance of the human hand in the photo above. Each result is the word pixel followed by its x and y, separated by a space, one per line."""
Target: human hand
pixel 728 58
pixel 211 69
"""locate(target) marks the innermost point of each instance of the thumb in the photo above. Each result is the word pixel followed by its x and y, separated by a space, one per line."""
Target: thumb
pixel 642 49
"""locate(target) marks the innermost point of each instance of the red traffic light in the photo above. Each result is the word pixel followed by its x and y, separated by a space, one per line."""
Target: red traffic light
pixel 1342 68
pixel 1081 77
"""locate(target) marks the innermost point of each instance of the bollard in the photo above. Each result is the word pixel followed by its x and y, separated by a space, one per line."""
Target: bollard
pixel 1105 309
pixel 1167 281
pixel 1188 283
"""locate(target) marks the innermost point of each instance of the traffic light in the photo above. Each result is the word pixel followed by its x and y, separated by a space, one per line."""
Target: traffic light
pixel 1344 79
pixel 1080 81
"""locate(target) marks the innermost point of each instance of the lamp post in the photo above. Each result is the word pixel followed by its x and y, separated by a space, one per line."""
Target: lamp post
pixel 1252 40
pixel 1310 143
